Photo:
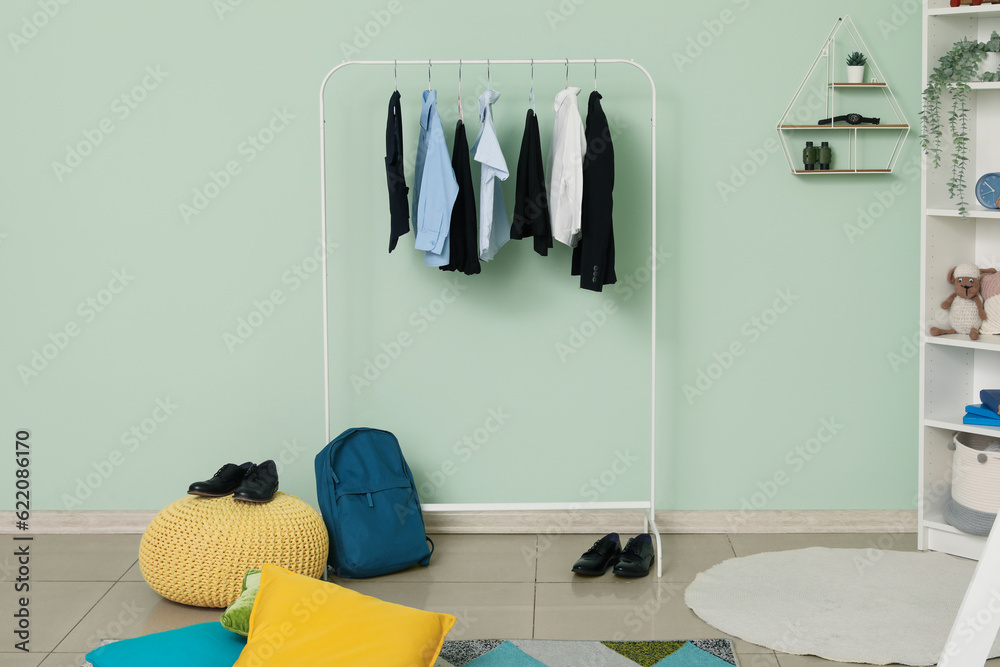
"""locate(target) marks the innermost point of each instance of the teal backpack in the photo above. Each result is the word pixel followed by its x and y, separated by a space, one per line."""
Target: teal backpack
pixel 369 504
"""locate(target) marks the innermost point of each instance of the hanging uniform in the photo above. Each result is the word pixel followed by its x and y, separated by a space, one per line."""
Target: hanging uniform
pixel 531 204
pixel 435 186
pixel 464 226
pixel 594 256
pixel 566 168
pixel 494 227
pixel 399 207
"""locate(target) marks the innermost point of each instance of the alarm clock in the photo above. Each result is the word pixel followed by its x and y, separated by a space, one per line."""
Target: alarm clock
pixel 988 189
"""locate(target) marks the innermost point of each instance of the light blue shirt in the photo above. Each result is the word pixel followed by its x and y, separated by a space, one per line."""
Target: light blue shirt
pixel 435 186
pixel 494 226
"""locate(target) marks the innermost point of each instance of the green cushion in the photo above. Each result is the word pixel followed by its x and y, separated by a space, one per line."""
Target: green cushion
pixel 236 617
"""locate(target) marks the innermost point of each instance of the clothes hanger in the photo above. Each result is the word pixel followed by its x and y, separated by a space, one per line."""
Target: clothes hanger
pixel 395 76
pixel 487 74
pixel 461 113
pixel 531 93
pixel 428 74
pixel 595 73
pixel 567 73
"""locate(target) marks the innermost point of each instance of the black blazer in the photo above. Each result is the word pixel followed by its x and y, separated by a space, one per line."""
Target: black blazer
pixel 594 255
pixel 464 230
pixel 531 203
pixel 399 208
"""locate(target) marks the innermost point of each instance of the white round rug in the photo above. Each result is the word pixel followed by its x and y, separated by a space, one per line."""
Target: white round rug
pixel 850 605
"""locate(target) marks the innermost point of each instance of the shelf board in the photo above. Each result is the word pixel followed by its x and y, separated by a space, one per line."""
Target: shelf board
pixel 963 428
pixel 974 212
pixel 838 84
pixel 843 171
pixel 968 11
pixel 863 126
pixel 979 85
pixel 938 523
pixel 948 539
pixel 954 541
pixel 986 341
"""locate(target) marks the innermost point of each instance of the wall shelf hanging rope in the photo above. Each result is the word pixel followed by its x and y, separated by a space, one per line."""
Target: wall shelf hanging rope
pixel 648 507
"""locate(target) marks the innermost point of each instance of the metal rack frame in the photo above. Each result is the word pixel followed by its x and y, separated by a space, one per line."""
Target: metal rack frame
pixel 648 506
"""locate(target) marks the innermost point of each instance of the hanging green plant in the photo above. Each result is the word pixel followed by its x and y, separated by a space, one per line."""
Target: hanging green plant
pixel 952 74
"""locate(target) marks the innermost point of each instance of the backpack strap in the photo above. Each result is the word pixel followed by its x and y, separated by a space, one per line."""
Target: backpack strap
pixel 426 560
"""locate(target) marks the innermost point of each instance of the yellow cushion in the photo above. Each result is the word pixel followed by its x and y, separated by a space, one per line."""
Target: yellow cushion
pixel 197 550
pixel 300 621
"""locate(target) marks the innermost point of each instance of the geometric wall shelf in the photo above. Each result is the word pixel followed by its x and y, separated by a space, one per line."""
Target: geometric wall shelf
pixel 825 93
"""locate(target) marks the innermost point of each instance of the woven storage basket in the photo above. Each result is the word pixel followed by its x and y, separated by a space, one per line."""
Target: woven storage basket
pixel 975 485
pixel 196 550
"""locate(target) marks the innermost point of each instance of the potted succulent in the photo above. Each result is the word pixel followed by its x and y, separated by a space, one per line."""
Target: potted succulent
pixel 952 74
pixel 856 67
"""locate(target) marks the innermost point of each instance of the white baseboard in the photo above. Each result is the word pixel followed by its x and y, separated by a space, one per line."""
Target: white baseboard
pixel 56 522
pixel 62 522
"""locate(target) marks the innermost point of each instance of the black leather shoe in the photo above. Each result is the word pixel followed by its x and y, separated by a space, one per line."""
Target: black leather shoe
pixel 223 482
pixel 598 558
pixel 637 557
pixel 259 485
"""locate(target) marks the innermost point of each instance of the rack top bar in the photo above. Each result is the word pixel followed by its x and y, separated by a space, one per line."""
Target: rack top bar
pixel 479 61
pixel 518 61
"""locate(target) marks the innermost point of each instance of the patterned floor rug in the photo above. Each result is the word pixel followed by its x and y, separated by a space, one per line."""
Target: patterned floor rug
pixel 558 653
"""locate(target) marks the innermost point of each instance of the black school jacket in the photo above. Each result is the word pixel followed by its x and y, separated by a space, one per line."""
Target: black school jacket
pixel 531 203
pixel 464 230
pixel 399 207
pixel 594 255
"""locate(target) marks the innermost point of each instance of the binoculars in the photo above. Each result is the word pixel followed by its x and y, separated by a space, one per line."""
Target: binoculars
pixel 813 155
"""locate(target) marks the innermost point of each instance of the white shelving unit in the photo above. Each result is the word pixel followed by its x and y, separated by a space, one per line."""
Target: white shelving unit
pixel 954 368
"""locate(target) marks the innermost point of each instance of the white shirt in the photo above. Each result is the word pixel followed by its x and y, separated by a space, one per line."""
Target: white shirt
pixel 494 226
pixel 569 144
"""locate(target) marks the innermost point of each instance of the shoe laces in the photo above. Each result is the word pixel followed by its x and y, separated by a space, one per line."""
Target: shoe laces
pixel 632 547
pixel 251 471
pixel 595 548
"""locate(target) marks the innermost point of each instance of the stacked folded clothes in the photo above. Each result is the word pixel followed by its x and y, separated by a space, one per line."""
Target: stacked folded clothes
pixel 986 413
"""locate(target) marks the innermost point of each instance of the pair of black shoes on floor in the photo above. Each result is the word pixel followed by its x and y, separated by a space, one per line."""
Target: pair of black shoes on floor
pixel 632 561
pixel 250 483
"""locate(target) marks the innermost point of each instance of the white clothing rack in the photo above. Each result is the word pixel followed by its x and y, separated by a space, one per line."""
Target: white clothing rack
pixel 648 506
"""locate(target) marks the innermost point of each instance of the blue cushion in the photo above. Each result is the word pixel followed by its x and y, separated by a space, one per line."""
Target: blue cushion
pixel 204 645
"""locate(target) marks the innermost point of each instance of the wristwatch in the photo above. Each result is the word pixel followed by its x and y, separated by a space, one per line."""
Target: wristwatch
pixel 851 119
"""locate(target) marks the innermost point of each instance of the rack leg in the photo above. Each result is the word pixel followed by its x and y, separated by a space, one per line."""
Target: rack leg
pixel 649 521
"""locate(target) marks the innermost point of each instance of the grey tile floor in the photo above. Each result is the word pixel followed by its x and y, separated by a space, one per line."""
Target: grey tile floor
pixel 87 588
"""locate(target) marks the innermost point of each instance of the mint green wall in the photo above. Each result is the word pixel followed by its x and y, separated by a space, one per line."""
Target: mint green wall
pixel 138 285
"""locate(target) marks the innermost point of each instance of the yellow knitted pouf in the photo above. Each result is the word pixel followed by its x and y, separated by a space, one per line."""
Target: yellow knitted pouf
pixel 196 550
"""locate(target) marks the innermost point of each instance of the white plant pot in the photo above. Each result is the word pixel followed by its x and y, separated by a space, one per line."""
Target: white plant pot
pixel 855 74
pixel 990 63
